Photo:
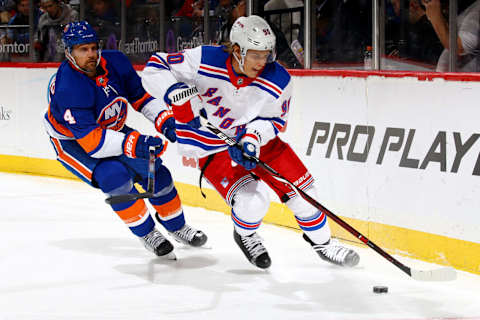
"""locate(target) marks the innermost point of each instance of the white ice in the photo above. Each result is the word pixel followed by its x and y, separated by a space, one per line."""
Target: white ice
pixel 65 255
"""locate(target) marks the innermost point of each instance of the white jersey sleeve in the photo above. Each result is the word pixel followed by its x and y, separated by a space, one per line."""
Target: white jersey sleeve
pixel 153 108
pixel 164 69
pixel 273 116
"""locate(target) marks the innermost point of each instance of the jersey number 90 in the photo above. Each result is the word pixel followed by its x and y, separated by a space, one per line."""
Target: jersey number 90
pixel 175 58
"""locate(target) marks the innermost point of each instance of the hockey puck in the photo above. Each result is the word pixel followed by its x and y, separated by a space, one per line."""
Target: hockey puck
pixel 380 289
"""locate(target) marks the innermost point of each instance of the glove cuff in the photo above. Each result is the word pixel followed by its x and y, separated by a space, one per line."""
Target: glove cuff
pixel 161 118
pixel 252 136
pixel 130 144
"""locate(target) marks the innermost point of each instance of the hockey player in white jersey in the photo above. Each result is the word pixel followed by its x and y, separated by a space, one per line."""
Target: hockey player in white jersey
pixel 246 94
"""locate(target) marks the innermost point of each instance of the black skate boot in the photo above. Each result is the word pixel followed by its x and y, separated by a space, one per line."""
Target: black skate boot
pixel 335 253
pixel 253 249
pixel 190 236
pixel 158 244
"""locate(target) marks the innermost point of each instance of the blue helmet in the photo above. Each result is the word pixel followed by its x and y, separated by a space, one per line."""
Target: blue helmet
pixel 78 33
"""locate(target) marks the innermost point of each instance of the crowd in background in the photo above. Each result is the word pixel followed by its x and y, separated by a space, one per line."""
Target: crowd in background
pixel 342 29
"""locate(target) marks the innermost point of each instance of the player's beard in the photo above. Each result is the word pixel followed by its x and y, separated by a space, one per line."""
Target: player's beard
pixel 91 65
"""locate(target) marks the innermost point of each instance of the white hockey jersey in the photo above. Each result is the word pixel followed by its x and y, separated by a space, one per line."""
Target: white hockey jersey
pixel 232 102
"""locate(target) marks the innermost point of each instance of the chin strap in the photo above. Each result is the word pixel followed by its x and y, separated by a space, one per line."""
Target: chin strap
pixel 68 55
pixel 240 62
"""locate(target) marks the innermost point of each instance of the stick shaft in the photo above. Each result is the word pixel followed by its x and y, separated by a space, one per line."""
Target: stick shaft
pixel 151 170
pixel 313 202
pixel 150 184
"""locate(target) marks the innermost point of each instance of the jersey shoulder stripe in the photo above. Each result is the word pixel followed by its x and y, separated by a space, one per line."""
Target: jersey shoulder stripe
pixel 156 61
pixel 276 75
pixel 213 72
pixel 265 88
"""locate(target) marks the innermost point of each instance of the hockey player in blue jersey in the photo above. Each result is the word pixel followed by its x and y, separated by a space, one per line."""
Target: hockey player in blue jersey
pixel 247 95
pixel 86 124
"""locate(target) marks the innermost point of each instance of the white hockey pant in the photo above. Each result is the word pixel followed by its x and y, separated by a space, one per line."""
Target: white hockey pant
pixel 312 221
pixel 250 204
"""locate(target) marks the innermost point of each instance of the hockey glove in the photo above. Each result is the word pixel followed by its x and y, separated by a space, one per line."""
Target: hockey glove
pixel 250 146
pixel 136 145
pixel 165 124
pixel 185 103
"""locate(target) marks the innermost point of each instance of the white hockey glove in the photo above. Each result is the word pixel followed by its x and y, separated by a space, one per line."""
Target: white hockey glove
pixel 185 103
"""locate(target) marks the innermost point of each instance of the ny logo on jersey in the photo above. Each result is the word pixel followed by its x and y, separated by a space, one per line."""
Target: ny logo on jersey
pixel 112 111
pixel 113 116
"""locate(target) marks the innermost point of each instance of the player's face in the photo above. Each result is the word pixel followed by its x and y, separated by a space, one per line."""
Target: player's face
pixel 255 61
pixel 86 56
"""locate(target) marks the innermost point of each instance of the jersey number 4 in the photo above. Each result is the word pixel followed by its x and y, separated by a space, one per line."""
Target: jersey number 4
pixel 67 116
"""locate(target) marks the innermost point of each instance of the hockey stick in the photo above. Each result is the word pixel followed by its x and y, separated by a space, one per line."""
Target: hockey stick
pixel 150 184
pixel 440 274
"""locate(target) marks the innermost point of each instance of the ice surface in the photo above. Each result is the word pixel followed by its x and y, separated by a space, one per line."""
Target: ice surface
pixel 65 255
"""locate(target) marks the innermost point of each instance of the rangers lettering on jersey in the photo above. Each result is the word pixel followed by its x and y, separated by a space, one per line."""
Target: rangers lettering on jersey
pixel 232 102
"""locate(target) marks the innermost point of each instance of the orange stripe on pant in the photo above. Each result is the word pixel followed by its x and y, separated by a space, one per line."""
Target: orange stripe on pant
pixel 71 161
pixel 169 208
pixel 133 213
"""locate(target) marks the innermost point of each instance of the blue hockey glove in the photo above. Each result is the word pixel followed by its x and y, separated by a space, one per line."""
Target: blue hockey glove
pixel 250 143
pixel 165 124
pixel 136 145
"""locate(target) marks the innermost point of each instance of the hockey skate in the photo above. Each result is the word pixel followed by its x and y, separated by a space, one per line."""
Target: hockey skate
pixel 253 249
pixel 158 244
pixel 189 236
pixel 335 253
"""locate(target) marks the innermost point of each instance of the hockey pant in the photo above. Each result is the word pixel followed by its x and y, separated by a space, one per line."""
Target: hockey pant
pixel 117 175
pixel 248 195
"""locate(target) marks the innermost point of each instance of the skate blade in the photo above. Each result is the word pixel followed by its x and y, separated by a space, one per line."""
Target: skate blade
pixel 188 246
pixel 169 256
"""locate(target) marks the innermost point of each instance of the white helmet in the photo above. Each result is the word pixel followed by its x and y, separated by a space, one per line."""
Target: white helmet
pixel 252 33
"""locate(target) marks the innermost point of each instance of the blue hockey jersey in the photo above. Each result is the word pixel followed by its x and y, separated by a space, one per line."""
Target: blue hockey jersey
pixel 93 110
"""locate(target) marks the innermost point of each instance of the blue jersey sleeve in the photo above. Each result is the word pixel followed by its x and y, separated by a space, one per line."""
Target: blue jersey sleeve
pixel 136 94
pixel 75 110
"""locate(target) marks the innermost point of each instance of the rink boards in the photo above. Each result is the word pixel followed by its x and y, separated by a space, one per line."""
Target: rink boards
pixel 395 154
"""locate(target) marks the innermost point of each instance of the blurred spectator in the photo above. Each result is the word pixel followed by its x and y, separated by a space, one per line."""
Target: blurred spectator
pixel 343 30
pixel 48 44
pixel 467 34
pixel 288 23
pixel 143 32
pixel 191 9
pixel 418 40
pixel 237 10
pixel 103 16
pixel 172 6
pixel 285 55
pixel 7 8
pixel 186 10
pixel 422 42
pixel 223 10
pixel 21 35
